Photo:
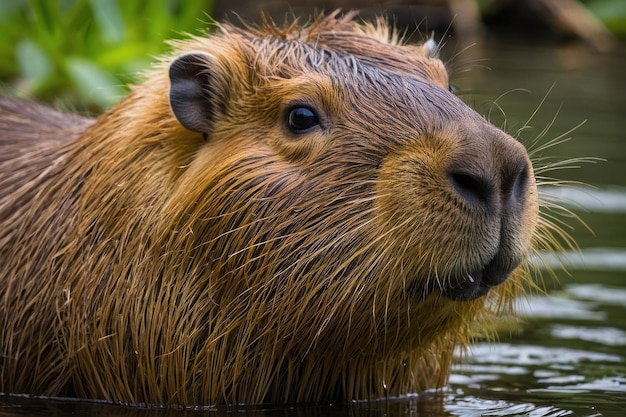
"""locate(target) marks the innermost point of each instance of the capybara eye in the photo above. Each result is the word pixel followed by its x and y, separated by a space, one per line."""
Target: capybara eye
pixel 302 119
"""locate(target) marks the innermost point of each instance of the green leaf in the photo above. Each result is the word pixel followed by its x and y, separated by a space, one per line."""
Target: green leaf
pixel 117 56
pixel 109 20
pixel 10 8
pixel 33 63
pixel 93 83
pixel 611 12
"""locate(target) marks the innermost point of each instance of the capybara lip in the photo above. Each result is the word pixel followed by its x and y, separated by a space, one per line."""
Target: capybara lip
pixel 475 284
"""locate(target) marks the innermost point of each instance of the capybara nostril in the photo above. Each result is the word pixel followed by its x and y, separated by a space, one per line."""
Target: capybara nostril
pixel 493 180
pixel 477 189
pixel 514 172
pixel 515 184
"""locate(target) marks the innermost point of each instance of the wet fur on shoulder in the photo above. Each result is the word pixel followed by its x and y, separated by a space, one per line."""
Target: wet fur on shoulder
pixel 143 262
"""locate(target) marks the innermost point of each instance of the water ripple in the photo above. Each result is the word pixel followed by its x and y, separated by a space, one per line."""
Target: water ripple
pixel 529 355
pixel 606 384
pixel 600 293
pixel 599 259
pixel 606 200
pixel 605 335
pixel 469 406
pixel 558 307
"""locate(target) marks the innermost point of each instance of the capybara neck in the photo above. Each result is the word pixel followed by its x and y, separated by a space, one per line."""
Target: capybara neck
pixel 275 215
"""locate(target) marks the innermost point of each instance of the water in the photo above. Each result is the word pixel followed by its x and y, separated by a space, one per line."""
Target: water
pixel 567 355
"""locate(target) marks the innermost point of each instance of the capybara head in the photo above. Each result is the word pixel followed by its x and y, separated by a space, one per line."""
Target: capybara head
pixel 275 214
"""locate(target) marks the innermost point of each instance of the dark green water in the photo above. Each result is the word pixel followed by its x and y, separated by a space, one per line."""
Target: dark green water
pixel 567 357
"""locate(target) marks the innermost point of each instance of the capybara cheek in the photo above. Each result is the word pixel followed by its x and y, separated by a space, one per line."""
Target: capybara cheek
pixel 419 208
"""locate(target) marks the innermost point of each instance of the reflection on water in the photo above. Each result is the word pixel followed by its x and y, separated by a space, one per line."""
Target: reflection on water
pixel 469 406
pixel 591 258
pixel 556 307
pixel 616 296
pixel 587 199
pixel 568 357
pixel 528 356
pixel 605 335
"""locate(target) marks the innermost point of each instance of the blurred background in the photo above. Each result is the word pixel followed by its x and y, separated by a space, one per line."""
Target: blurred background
pixel 85 53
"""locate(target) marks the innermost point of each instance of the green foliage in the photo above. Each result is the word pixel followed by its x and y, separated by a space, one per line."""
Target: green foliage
pixel 88 51
pixel 611 12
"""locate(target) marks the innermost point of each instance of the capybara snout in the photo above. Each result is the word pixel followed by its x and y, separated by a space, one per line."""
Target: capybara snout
pixel 277 214
pixel 470 193
pixel 494 179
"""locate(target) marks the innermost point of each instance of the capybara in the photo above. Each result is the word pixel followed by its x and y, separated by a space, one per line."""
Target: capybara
pixel 276 214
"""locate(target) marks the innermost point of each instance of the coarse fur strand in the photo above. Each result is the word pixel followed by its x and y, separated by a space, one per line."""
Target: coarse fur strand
pixel 143 263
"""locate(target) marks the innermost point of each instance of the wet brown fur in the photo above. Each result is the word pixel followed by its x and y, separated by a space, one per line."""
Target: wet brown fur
pixel 141 263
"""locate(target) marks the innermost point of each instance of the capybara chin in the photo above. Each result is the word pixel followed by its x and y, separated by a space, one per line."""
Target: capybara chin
pixel 276 214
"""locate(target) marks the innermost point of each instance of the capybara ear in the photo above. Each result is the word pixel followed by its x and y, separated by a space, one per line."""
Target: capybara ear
pixel 431 48
pixel 192 88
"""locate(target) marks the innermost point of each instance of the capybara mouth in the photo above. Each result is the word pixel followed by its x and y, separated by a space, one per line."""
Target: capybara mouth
pixel 475 284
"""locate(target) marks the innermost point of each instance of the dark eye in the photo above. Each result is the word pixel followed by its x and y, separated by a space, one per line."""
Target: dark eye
pixel 302 119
